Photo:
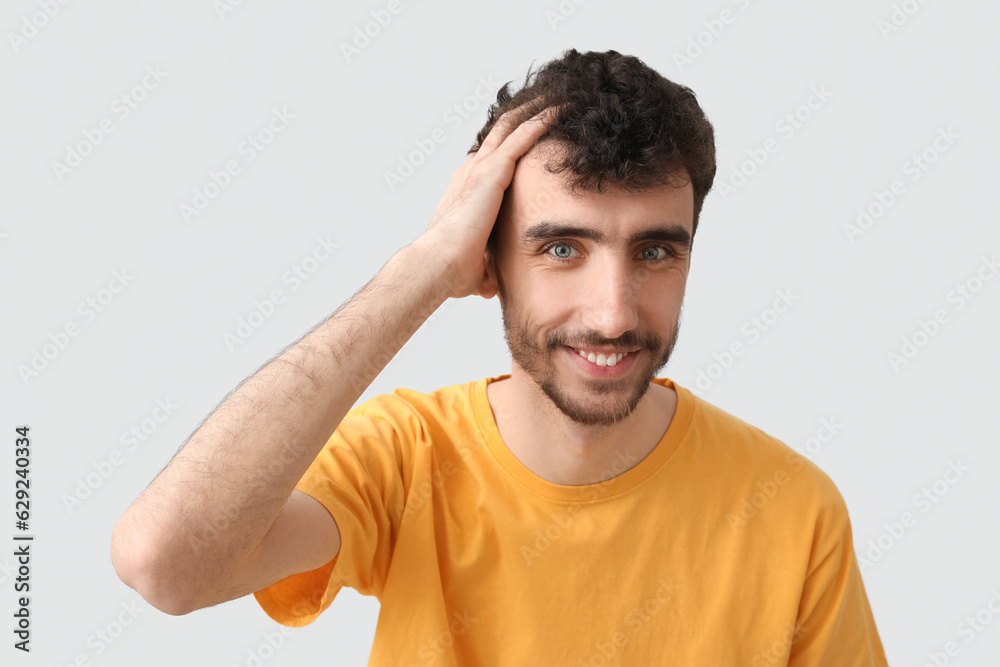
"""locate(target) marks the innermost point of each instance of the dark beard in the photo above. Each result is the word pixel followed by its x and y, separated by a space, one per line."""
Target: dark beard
pixel 536 361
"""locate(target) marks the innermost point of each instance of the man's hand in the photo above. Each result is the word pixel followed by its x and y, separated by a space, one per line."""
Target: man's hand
pixel 222 519
pixel 463 220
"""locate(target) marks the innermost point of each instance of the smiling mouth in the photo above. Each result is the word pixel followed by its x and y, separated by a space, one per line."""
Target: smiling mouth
pixel 602 358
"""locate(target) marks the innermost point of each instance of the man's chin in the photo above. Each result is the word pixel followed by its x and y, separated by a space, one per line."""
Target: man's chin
pixel 593 402
pixel 602 412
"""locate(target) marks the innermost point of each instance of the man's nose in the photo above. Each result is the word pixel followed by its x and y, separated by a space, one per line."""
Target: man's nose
pixel 611 299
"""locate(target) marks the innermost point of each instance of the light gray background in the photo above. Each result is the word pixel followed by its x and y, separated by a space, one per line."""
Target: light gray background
pixel 162 336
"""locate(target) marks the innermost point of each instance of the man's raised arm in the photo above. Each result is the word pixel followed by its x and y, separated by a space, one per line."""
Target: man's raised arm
pixel 221 520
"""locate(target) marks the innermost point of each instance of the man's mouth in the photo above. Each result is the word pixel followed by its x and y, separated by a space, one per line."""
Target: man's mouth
pixel 602 357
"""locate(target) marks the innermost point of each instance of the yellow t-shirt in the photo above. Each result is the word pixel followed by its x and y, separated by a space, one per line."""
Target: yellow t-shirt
pixel 723 546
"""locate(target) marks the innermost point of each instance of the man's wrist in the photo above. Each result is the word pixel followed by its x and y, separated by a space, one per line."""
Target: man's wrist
pixel 429 257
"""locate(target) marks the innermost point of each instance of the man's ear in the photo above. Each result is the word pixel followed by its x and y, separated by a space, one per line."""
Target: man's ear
pixel 488 283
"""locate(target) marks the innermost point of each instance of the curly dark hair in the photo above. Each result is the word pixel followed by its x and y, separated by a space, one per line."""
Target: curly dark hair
pixel 623 125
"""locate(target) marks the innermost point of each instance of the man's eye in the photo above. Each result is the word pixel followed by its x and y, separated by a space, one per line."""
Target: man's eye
pixel 656 253
pixel 560 250
pixel 564 251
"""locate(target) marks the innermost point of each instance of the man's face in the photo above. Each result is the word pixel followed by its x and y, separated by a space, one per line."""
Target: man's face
pixel 602 273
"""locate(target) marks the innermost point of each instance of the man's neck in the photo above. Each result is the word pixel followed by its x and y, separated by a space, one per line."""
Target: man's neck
pixel 562 451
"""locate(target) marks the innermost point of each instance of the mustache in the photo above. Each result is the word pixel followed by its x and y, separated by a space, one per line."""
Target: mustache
pixel 629 340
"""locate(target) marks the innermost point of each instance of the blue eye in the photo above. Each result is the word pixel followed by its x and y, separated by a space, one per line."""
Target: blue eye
pixel 566 249
pixel 656 256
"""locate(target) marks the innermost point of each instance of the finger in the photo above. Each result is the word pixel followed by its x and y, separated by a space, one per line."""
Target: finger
pixel 524 136
pixel 510 121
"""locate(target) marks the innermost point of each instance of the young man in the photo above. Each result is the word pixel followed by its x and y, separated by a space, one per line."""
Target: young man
pixel 576 511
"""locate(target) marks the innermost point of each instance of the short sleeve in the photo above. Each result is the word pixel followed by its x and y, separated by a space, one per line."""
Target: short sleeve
pixel 359 477
pixel 835 625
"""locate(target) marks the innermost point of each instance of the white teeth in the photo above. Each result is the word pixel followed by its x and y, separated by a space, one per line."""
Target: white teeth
pixel 602 359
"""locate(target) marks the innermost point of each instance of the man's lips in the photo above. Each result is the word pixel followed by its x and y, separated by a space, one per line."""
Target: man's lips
pixel 603 350
pixel 599 366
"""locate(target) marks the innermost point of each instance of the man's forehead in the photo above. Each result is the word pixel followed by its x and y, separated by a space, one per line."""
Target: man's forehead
pixel 546 201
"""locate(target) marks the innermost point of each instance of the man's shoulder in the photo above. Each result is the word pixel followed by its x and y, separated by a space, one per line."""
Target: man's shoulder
pixel 714 421
pixel 742 448
pixel 406 403
pixel 407 423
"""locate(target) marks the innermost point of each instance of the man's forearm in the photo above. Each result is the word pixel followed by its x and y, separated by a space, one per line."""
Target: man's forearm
pixel 215 501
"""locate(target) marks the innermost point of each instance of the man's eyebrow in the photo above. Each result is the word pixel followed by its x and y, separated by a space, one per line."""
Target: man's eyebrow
pixel 554 229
